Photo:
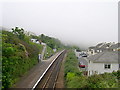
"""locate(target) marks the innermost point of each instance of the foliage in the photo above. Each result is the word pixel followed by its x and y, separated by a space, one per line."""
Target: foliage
pixel 106 80
pixel 0 58
pixel 117 74
pixel 48 53
pixel 71 63
pixel 19 32
pixel 51 42
pixel 71 70
pixel 18 56
pixel 77 48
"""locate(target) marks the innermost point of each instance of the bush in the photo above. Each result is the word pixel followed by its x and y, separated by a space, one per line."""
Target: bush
pixel 71 71
pixel 106 80
pixel 15 61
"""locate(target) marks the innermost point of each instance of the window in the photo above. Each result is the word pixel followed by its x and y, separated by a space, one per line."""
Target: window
pixel 107 66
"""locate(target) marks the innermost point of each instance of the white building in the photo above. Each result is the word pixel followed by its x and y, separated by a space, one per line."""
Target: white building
pixel 101 47
pixel 103 62
pixel 77 53
pixel 35 41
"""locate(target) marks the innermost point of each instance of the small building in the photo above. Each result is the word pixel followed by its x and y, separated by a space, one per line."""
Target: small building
pixel 77 53
pixel 34 40
pixel 103 62
pixel 91 50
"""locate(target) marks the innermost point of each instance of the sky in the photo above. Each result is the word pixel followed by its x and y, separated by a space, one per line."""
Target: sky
pixel 84 23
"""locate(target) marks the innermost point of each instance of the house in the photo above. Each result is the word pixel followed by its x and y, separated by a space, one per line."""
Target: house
pixel 101 47
pixel 34 40
pixel 102 62
pixel 91 50
pixel 115 47
pixel 76 53
pixel 96 49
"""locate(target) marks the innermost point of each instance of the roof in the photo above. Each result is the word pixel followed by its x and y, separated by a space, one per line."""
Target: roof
pixel 92 47
pixel 99 45
pixel 105 46
pixel 105 57
pixel 115 46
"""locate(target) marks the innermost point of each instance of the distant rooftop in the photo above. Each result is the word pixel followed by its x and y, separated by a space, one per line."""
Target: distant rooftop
pixel 115 46
pixel 104 46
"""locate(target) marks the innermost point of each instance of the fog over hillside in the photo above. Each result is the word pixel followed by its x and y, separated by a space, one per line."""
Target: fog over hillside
pixel 80 23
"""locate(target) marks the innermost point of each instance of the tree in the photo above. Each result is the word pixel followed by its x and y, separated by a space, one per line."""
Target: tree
pixel 19 32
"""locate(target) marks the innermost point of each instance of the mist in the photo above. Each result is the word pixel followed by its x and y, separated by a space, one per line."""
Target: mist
pixel 76 23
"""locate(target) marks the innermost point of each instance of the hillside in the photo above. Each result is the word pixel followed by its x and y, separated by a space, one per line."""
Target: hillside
pixel 53 44
pixel 20 54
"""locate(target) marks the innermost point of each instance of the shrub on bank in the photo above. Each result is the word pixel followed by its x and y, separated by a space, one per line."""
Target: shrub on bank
pixel 71 70
pixel 18 56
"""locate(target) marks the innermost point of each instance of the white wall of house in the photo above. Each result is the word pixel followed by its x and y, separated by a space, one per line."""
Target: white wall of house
pixel 37 42
pixel 99 68
pixel 33 40
pixel 91 52
pixel 76 53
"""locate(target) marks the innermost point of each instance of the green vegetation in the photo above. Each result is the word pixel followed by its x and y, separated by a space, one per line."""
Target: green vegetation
pixel 106 80
pixel 77 48
pixel 48 53
pixel 51 42
pixel 19 32
pixel 19 54
pixel 75 79
pixel 71 70
pixel 0 58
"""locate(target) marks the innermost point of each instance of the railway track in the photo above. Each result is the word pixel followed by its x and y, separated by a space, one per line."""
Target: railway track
pixel 49 78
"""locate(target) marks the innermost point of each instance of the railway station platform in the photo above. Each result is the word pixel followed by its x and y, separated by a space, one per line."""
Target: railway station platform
pixel 30 78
